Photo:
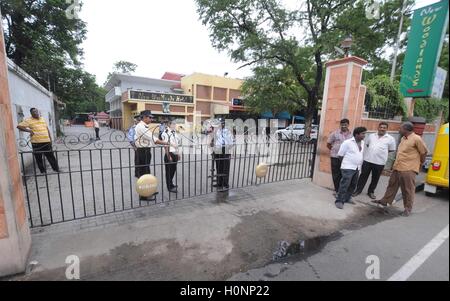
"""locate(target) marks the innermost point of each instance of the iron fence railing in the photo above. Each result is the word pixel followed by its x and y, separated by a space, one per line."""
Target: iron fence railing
pixel 93 182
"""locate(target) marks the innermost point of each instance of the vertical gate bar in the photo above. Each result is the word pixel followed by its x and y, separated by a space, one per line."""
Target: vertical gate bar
pixel 82 183
pixel 276 151
pixel 182 173
pixel 195 173
pixel 60 192
pixel 300 163
pixel 131 183
pixel 201 169
pixel 245 163
pixel 163 176
pixel 294 165
pixel 103 181
pixel 92 180
pixel 37 191
pixel 121 178
pixel 254 162
pixel 248 170
pixel 303 162
pixel 294 175
pixel 24 179
pixel 112 180
pixel 234 156
pixel 71 185
pixel 189 173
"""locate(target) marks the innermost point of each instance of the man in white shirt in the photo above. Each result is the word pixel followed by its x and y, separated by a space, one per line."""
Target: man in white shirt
pixel 144 141
pixel 172 155
pixel 223 142
pixel 376 154
pixel 351 152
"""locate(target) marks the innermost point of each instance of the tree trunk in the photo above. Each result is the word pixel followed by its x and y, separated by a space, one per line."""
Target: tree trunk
pixel 309 114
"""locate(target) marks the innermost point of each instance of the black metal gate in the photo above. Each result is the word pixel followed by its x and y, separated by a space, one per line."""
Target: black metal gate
pixel 97 180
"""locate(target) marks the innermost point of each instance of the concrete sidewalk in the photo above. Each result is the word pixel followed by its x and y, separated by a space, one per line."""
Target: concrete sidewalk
pixel 197 239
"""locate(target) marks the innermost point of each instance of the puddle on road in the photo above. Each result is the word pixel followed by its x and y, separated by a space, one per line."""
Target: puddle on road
pixel 303 248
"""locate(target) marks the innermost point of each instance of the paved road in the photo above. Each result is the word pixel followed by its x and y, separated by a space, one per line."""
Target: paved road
pixel 404 247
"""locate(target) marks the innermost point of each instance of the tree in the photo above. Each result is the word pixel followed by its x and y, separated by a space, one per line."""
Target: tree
pixel 273 90
pixel 261 33
pixel 430 108
pixel 40 38
pixel 123 67
pixel 43 41
pixel 443 63
pixel 385 95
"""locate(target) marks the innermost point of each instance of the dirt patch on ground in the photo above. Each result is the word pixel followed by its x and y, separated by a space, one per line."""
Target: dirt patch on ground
pixel 254 241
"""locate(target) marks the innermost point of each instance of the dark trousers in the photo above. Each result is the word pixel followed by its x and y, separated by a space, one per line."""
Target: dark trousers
pixel 367 169
pixel 97 133
pixel 223 168
pixel 144 157
pixel 40 149
pixel 171 169
pixel 347 185
pixel 336 172
pixel 136 163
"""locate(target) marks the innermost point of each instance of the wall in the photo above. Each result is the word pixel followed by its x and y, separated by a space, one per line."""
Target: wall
pixel 25 94
pixel 15 239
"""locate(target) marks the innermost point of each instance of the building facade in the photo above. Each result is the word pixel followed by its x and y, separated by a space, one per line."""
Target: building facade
pixel 175 96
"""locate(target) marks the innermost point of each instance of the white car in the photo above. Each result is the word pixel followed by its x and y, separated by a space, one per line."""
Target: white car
pixel 296 132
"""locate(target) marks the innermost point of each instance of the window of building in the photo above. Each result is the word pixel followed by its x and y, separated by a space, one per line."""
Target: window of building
pixel 204 92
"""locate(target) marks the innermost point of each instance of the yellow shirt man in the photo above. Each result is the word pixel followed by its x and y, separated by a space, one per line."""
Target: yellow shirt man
pixel 39 128
pixel 40 140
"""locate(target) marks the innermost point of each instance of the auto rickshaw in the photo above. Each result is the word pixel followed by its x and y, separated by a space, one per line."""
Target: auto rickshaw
pixel 437 177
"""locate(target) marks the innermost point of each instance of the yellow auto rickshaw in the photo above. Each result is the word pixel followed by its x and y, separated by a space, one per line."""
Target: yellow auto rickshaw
pixel 438 172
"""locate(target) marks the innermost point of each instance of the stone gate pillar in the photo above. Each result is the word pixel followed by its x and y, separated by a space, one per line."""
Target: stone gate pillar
pixel 343 98
pixel 15 240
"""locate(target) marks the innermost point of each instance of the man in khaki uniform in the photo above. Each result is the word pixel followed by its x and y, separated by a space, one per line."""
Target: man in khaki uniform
pixel 411 155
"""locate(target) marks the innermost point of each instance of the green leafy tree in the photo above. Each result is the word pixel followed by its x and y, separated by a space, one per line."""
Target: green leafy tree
pixel 41 39
pixel 38 35
pixel 443 63
pixel 122 67
pixel 431 108
pixel 261 33
pixel 273 90
pixel 386 95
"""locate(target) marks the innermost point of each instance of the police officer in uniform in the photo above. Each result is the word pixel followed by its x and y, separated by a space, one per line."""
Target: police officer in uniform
pixel 222 144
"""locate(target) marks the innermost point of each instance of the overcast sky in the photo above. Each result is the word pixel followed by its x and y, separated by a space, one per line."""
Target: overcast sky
pixel 157 35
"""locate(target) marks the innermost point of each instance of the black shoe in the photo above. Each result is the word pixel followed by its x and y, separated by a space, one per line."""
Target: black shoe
pixel 339 205
pixel 173 190
pixel 372 196
pixel 44 172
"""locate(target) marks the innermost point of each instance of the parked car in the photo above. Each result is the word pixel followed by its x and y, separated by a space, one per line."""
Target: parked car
pixel 296 132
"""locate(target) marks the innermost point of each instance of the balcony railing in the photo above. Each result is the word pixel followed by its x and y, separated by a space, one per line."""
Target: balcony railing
pixel 114 94
pixel 163 97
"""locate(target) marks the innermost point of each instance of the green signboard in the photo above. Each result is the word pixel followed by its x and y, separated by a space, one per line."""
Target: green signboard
pixel 426 37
